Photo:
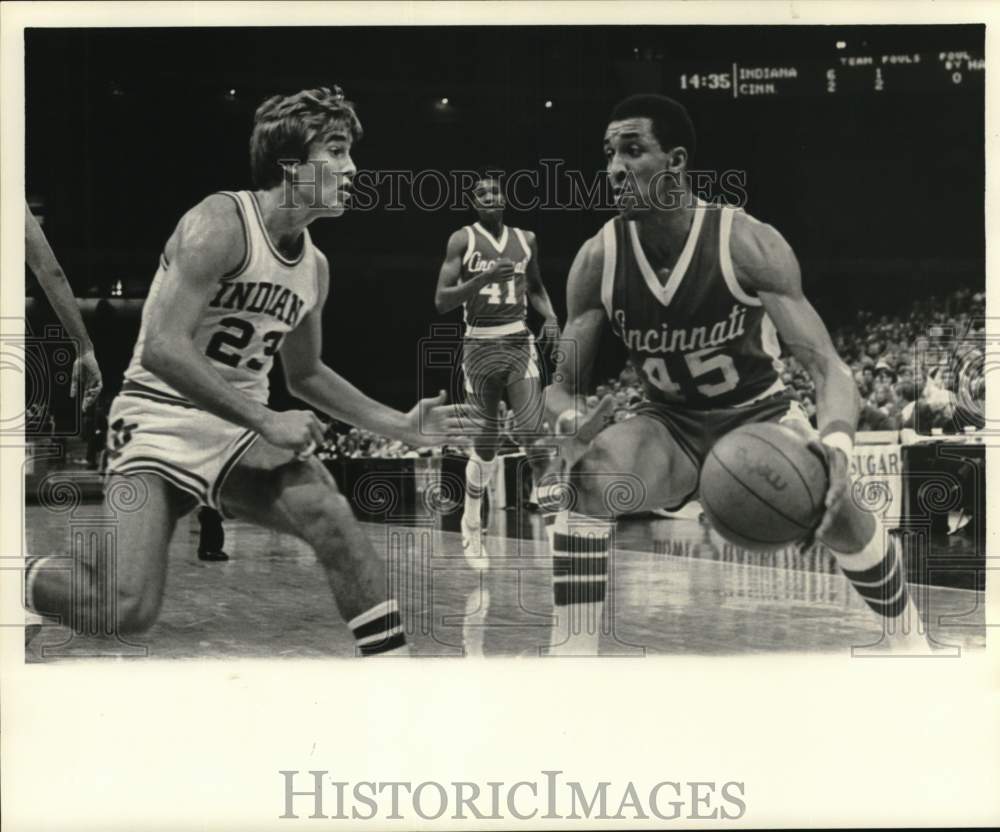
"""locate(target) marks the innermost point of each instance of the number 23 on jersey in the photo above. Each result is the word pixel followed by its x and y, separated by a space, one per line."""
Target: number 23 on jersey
pixel 228 346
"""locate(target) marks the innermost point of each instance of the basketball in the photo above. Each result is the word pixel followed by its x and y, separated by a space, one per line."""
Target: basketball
pixel 762 488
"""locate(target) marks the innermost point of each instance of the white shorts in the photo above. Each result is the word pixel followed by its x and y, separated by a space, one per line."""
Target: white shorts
pixel 192 450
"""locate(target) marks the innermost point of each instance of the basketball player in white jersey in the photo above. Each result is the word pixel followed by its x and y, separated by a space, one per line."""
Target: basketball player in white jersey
pixel 699 294
pixel 491 270
pixel 239 279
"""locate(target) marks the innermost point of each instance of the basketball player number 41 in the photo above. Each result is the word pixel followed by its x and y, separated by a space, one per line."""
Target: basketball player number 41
pixel 699 363
pixel 495 290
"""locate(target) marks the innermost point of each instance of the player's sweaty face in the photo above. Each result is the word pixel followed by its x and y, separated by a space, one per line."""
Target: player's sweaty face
pixel 487 198
pixel 633 157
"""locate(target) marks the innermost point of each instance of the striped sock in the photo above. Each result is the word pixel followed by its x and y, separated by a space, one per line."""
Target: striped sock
pixel 883 585
pixel 581 548
pixel 379 631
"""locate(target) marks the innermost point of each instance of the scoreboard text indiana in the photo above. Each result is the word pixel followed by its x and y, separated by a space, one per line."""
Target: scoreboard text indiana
pixel 847 73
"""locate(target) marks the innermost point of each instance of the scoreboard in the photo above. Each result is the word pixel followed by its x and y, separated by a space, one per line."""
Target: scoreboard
pixel 844 74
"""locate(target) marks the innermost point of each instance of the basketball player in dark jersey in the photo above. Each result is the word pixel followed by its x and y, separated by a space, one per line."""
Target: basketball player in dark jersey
pixel 699 294
pixel 492 271
pixel 239 279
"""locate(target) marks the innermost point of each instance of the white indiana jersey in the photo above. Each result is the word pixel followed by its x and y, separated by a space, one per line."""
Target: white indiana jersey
pixel 251 310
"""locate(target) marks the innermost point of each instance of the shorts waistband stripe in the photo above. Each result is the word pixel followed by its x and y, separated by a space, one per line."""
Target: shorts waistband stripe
pixel 151 398
pixel 139 390
pixel 496 330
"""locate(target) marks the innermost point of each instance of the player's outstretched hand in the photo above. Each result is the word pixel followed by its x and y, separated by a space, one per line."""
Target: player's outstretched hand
pixel 298 430
pixel 433 421
pixel 86 378
pixel 573 434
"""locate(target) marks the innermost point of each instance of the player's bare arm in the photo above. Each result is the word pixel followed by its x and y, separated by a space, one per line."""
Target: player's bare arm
pixel 766 264
pixel 43 263
pixel 450 292
pixel 580 340
pixel 585 318
pixel 208 242
pixel 537 294
pixel 318 384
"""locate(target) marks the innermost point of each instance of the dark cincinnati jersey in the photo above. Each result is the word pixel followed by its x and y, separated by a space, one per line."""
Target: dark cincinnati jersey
pixel 504 301
pixel 698 340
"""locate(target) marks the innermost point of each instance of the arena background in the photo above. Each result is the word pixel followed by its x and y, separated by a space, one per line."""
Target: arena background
pixel 864 146
pixel 879 191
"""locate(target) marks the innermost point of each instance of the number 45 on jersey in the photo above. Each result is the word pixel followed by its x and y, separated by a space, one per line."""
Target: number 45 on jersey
pixel 699 364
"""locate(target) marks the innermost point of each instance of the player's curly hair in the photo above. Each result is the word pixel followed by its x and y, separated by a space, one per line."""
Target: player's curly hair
pixel 672 125
pixel 285 125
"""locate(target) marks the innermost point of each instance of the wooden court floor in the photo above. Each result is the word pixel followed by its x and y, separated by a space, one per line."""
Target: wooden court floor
pixel 676 588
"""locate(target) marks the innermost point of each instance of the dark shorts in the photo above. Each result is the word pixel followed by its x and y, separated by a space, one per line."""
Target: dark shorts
pixel 492 364
pixel 696 431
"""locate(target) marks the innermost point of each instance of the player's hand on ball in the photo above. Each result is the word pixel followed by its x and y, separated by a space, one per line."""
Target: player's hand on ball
pixel 838 469
pixel 86 377
pixel 298 430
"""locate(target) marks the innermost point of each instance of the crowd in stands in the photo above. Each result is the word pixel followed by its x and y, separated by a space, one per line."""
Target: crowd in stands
pixel 922 369
pixel 352 443
pixel 919 369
